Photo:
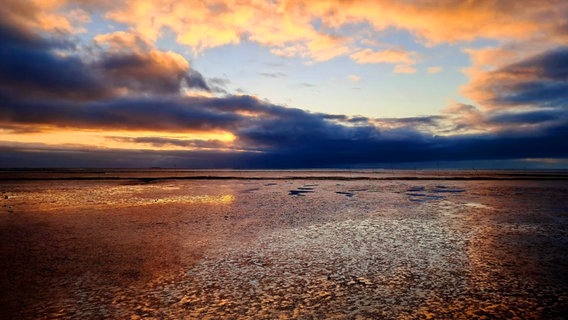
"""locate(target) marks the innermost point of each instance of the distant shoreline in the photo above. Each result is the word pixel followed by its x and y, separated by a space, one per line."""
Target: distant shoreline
pixel 153 175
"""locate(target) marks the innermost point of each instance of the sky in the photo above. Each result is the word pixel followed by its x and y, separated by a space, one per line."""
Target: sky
pixel 284 84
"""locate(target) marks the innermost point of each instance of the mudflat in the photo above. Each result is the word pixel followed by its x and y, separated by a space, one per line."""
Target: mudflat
pixel 280 245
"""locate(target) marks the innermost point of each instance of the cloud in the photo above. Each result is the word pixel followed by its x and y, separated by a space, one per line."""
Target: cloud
pixel 151 72
pixel 464 119
pixel 273 74
pixel 323 149
pixel 401 68
pixel 403 59
pixel 289 32
pixel 530 117
pixel 517 93
pixel 161 141
pixel 312 29
pixel 131 64
pixel 31 67
pixel 27 156
pixel 308 29
pixel 385 56
pixel 535 82
pixel 274 136
pixel 420 124
pixel 36 15
pixel 443 21
pixel 434 69
pixel 155 113
pixel 354 78
pixel 121 41
pixel 218 85
pixel 295 128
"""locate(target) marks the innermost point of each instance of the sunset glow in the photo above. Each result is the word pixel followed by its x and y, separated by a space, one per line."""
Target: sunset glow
pixel 122 139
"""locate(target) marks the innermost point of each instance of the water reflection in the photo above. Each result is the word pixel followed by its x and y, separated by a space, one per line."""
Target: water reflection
pixel 514 258
pixel 197 249
pixel 224 199
pixel 65 196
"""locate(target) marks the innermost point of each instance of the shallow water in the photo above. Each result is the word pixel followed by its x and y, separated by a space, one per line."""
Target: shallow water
pixel 272 245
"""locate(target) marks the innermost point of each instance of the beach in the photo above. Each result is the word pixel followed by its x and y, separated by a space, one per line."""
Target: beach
pixel 175 244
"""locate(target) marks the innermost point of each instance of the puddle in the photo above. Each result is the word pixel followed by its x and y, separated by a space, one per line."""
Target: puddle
pixel 251 190
pixel 299 192
pixel 448 190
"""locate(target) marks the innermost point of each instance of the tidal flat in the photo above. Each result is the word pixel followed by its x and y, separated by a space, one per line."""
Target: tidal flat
pixel 283 245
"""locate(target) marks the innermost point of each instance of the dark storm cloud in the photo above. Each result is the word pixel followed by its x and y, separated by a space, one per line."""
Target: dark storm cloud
pixel 539 81
pixel 552 143
pixel 291 138
pixel 182 114
pixel 541 93
pixel 218 85
pixel 194 79
pixel 530 95
pixel 30 66
pixel 339 152
pixel 29 156
pixel 276 136
pixel 339 117
pixel 551 65
pixel 346 152
pixel 532 117
pixel 148 72
pixel 294 128
pixel 412 121
pixel 358 119
pixel 294 138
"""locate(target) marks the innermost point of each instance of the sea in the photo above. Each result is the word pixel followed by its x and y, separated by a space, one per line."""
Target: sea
pixel 283 244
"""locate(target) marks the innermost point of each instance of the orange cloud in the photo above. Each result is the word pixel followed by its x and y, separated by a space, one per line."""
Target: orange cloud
pixel 444 21
pixel 386 56
pixel 306 29
pixel 52 16
pixel 403 59
pixel 200 25
pixel 434 69
pixel 354 78
pixel 402 68
pixel 120 139
pixel 121 41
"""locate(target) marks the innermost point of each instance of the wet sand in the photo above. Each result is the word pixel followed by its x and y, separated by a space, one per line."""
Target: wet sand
pixel 274 248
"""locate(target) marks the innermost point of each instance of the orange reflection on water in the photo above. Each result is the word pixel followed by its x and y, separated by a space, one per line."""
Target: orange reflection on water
pixel 73 197
pixel 201 199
